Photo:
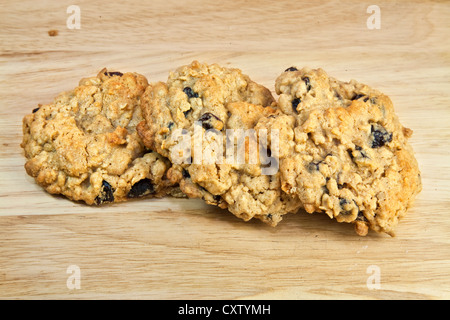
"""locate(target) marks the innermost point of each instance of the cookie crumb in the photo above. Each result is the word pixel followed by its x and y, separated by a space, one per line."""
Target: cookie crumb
pixel 53 33
pixel 361 228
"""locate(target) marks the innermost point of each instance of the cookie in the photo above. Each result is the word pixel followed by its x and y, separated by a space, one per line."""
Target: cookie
pixel 202 119
pixel 84 144
pixel 345 152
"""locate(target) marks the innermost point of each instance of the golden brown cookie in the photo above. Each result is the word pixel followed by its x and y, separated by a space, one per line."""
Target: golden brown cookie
pixel 345 152
pixel 198 119
pixel 84 145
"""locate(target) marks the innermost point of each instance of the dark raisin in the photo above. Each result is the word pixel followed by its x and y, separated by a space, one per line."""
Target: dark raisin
pixel 116 73
pixel 380 136
pixel 295 103
pixel 208 120
pixel 269 216
pixel 361 217
pixel 186 174
pixel 307 83
pixel 170 125
pixel 106 193
pixel 350 153
pixel 366 99
pixel 325 189
pixel 141 188
pixel 344 203
pixel 265 156
pixel 291 69
pixel 313 166
pixel 35 110
pixel 348 207
pixel 187 112
pixel 357 96
pixel 190 93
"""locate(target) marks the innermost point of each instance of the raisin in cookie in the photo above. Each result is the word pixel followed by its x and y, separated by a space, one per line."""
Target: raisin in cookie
pixel 345 151
pixel 202 120
pixel 85 146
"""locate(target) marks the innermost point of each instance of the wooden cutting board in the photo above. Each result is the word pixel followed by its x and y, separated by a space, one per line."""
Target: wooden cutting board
pixel 176 248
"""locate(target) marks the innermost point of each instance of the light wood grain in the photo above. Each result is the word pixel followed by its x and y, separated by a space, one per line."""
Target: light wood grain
pixel 175 248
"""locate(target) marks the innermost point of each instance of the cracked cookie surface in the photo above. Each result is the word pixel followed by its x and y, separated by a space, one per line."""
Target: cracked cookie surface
pixel 345 152
pixel 202 103
pixel 84 144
